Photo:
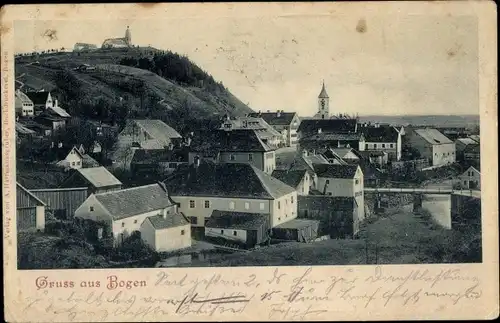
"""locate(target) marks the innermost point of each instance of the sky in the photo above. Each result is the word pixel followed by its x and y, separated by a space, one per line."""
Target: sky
pixel 382 65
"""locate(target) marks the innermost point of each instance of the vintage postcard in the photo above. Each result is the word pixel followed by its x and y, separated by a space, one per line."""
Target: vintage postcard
pixel 250 161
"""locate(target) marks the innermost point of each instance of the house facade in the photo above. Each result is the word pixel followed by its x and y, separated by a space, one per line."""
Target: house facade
pixel 286 123
pixel 342 181
pixel 73 160
pixel 470 179
pixel 23 105
pixel 30 210
pixel 199 190
pixel 432 145
pixel 382 138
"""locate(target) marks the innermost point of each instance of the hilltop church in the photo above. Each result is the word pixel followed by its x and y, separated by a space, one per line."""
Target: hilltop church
pixel 125 42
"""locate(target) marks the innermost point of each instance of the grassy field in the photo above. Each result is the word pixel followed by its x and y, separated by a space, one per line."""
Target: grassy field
pixel 398 238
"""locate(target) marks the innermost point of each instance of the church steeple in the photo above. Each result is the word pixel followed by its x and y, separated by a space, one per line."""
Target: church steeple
pixel 323 104
pixel 128 37
pixel 323 93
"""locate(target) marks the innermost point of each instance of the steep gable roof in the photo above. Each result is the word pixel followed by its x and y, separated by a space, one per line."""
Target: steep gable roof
pixel 59 112
pixel 160 222
pixel 158 130
pixel 328 126
pixel 30 195
pixel 38 97
pixel 433 136
pixel 134 201
pixel 23 130
pixel 335 171
pixel 290 177
pixel 98 176
pixel 226 180
pixel 467 141
pixel 275 118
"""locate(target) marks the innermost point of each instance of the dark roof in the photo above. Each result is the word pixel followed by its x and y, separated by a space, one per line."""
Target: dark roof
pixel 226 180
pixel 382 133
pixel 275 118
pixel 332 136
pixel 290 177
pixel 324 202
pixel 154 156
pixel 335 171
pixel 170 221
pixel 472 149
pixel 241 140
pixel 133 201
pixel 323 93
pixel 38 97
pixel 328 125
pixel 236 220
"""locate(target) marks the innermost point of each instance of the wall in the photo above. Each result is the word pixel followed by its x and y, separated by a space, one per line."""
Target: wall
pixel 171 239
pixel 218 203
pixel 284 209
pixel 443 154
pixel 73 157
pixel 336 186
pixel 269 162
pixel 417 142
pixel 241 235
pixel 148 234
pixel 63 202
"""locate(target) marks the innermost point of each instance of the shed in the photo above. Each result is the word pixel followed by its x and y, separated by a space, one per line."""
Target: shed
pixel 301 230
pixel 249 229
pixel 30 210
pixel 167 232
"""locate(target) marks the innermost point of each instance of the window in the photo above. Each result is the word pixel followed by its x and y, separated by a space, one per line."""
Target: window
pixel 279 219
pixel 291 199
pixel 78 163
pixel 262 206
pixel 330 193
pixel 221 231
pixel 235 233
pixel 231 157
pixel 366 146
pixel 135 221
pixel 193 220
pixel 191 204
pixel 231 205
pixel 172 165
pixel 374 145
pixel 468 173
pixel 123 224
pixel 182 232
pixel 91 209
pixel 327 181
pixel 465 182
pixel 250 157
pixel 279 205
pixel 247 206
pixel 391 145
pixel 383 145
pixel 207 204
pixel 72 163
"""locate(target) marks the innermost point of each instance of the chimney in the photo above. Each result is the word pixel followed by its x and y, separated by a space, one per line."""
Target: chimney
pixel 278 114
pixel 59 145
pixel 164 213
pixel 56 103
pixel 170 146
pixel 319 130
pixel 304 153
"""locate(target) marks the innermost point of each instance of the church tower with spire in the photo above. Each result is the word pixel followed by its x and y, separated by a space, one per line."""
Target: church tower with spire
pixel 128 37
pixel 323 104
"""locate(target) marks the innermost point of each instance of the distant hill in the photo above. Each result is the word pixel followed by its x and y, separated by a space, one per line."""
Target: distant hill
pixel 426 120
pixel 114 88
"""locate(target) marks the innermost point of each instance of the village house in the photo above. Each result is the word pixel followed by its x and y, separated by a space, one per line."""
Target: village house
pixel 341 155
pixel 30 210
pixel 338 216
pixel 166 233
pixel 61 202
pixel 264 131
pixel 231 187
pixel 96 179
pixel 298 179
pixel 237 146
pixel 342 181
pixel 285 123
pixel 431 144
pixel 472 155
pixel 382 138
pixel 150 163
pixel 51 121
pixel 243 228
pixel 121 213
pixel 143 134
pixel 461 144
pixel 305 161
pixel 23 105
pixel 470 179
pixel 72 160
pixel 39 129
